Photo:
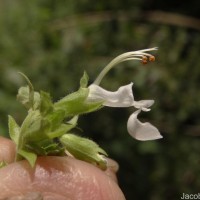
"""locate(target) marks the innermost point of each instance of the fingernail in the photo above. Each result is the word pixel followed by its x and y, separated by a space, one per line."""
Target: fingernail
pixel 112 165
pixel 112 168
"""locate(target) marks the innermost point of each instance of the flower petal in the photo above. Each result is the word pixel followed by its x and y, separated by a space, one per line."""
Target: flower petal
pixel 143 104
pixel 141 131
pixel 123 97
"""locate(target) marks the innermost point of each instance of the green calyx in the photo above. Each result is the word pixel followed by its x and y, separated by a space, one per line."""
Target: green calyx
pixel 84 149
pixel 47 128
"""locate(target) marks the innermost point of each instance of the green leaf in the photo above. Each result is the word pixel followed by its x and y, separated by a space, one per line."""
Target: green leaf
pixel 84 80
pixel 76 103
pixel 64 128
pixel 14 129
pixel 31 128
pixel 45 147
pixel 23 97
pixel 84 149
pixel 55 119
pixel 32 123
pixel 31 89
pixel 46 106
pixel 29 156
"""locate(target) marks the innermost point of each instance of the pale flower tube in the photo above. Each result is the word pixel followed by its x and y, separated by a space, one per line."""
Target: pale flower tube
pixel 123 97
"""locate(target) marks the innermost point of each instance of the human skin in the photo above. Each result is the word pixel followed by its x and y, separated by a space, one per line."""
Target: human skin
pixel 55 178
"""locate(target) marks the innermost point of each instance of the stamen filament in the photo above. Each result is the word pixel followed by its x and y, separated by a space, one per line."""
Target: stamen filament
pixel 132 55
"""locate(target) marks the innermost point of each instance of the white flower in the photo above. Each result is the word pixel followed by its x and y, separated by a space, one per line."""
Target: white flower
pixel 123 97
pixel 141 131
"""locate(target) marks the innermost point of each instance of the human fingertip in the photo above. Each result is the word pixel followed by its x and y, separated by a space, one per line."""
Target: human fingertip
pixel 7 150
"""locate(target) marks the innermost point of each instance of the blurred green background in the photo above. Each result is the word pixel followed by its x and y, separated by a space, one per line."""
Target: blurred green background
pixel 53 42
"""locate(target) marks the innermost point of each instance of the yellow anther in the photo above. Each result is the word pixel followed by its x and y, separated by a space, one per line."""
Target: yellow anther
pixel 144 60
pixel 152 58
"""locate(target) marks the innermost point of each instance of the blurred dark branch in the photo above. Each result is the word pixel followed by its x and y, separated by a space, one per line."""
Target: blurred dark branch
pixel 151 16
pixel 90 19
pixel 173 19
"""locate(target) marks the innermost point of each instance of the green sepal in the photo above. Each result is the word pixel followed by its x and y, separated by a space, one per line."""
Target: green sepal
pixel 46 105
pixel 84 80
pixel 14 129
pixel 45 147
pixel 84 149
pixel 31 127
pixel 29 101
pixel 55 119
pixel 76 103
pixel 29 156
pixel 31 89
pixel 34 128
pixel 73 121
pixel 64 128
pixel 27 96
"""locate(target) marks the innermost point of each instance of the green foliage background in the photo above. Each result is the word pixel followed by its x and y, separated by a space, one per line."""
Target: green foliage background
pixel 53 42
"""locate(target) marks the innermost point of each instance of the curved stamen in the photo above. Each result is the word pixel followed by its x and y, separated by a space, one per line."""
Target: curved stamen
pixel 150 49
pixel 132 55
